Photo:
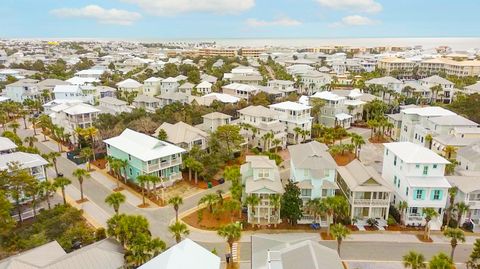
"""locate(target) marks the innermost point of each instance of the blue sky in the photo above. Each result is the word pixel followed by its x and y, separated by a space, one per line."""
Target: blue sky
pixel 170 19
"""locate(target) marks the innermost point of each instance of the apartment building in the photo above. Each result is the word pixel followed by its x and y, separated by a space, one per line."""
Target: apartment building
pixel 251 52
pixel 403 67
pixel 225 52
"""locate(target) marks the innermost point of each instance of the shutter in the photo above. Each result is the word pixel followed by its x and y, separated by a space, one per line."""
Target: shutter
pixel 432 194
pixel 414 194
pixel 424 193
pixel 440 195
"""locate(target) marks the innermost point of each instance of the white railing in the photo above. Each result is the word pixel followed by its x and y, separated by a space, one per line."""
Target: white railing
pixel 371 202
pixel 474 203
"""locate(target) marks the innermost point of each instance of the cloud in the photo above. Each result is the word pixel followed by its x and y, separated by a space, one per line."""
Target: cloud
pixel 369 6
pixel 355 20
pixel 278 22
pixel 100 14
pixel 173 7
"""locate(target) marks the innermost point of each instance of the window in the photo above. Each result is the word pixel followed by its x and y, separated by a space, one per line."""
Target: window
pixel 129 157
pixel 419 195
pixel 406 191
pixel 395 160
pixel 417 166
pixel 436 195
pixel 306 173
pixel 394 180
pixel 306 192
pixel 324 192
pixel 386 153
pixel 262 173
pixel 425 170
pixel 398 185
pixel 434 166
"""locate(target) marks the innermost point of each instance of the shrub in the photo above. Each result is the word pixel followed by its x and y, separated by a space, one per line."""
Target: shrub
pixel 372 222
pixel 395 214
pixel 100 234
pixel 468 226
pixel 391 221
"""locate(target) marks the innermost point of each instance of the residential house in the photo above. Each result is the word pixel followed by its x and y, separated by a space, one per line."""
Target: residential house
pixel 113 105
pixel 186 254
pixel 7 146
pixel 204 87
pixel 146 155
pixel 446 94
pixel 184 135
pixel 22 90
pixel 212 121
pixel 90 73
pixel 296 117
pixel 169 85
pixel 72 92
pixel 471 89
pixel 388 82
pixel 208 99
pixel 468 159
pixel 313 168
pixel 334 112
pixel 186 88
pixel 151 86
pixel 105 254
pixel 285 251
pixel 130 85
pixel 469 193
pixel 417 177
pixel 173 97
pixel 284 86
pixel 314 81
pixel 33 163
pixel 242 91
pixel 147 102
pixel 262 121
pixel 72 116
pixel 261 178
pixel 366 191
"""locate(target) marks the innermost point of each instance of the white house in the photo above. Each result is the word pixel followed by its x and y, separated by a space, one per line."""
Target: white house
pixel 444 96
pixel 414 119
pixel 416 175
pixel 334 112
pixel 204 87
pixel 130 85
pixel 22 90
pixel 242 91
pixel 261 178
pixel 169 85
pixel 114 105
pixel 212 121
pixel 469 159
pixel 90 73
pixel 72 116
pixel 295 115
pixel 314 81
pixel 469 193
pixel 184 135
pixel 147 102
pixel 73 92
pixel 388 82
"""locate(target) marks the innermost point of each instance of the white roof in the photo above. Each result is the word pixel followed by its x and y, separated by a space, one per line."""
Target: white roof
pixel 383 81
pixel 241 87
pixel 129 83
pixel 142 146
pixel 26 160
pixel 343 116
pixel 66 88
pixel 437 79
pixel 90 72
pixel 6 144
pixel 170 79
pixel 204 84
pixel 81 81
pixel 288 105
pixel 153 79
pixel 223 97
pixel 327 96
pixel 429 111
pixel 413 153
pixel 80 108
pixel 186 254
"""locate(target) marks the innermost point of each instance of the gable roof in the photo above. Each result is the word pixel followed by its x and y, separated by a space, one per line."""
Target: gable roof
pixel 453 120
pixel 26 160
pixel 80 108
pixel 289 105
pixel 186 254
pixel 181 132
pixel 437 80
pixel 359 177
pixel 216 115
pixel 466 184
pixel 313 155
pixel 6 144
pixel 142 146
pixel 66 88
pixel 129 83
pixel 204 84
pixel 310 255
pixel 259 111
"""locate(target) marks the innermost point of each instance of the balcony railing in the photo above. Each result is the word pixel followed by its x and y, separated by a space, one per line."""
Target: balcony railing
pixel 371 202
pixel 157 166
pixel 474 203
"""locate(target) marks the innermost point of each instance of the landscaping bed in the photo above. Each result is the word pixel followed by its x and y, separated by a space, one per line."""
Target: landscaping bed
pixel 401 228
pixel 379 139
pixel 344 159
pixel 100 163
pixel 203 219
pixel 423 239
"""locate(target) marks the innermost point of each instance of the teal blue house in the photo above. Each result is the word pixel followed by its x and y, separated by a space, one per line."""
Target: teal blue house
pixel 146 155
pixel 314 170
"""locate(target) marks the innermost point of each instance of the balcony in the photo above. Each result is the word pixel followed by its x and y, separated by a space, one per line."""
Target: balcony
pixel 371 202
pixel 474 204
pixel 158 166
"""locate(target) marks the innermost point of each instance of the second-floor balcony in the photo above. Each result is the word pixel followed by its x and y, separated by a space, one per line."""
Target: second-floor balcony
pixel 371 202
pixel 474 204
pixel 160 165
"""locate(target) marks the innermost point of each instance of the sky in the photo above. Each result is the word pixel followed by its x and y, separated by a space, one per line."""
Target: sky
pixel 177 19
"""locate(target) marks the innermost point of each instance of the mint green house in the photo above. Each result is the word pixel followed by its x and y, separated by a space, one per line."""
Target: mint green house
pixel 146 155
pixel 314 171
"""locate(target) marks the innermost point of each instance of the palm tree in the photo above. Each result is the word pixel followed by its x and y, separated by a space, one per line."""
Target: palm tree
pixel 142 181
pixel 231 232
pixel 114 200
pixel 52 156
pixel 414 260
pixel 440 261
pixel 232 206
pixel 461 208
pixel 114 165
pixel 81 174
pixel 276 142
pixel 429 213
pixel 197 167
pixel 91 132
pixel 252 200
pixel 266 141
pixel 30 140
pixel 177 230
pixel 34 122
pixel 339 232
pixel 176 201
pixel 274 200
pixel 297 131
pixel 455 235
pixel 449 151
pixel 357 141
pixel 209 200
pixel 402 206
pixel 44 122
pixel 47 189
pixel 86 153
pixel 62 182
pixel 429 139
pixel 188 163
pixel 14 125
pixel 220 196
pixel 452 193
